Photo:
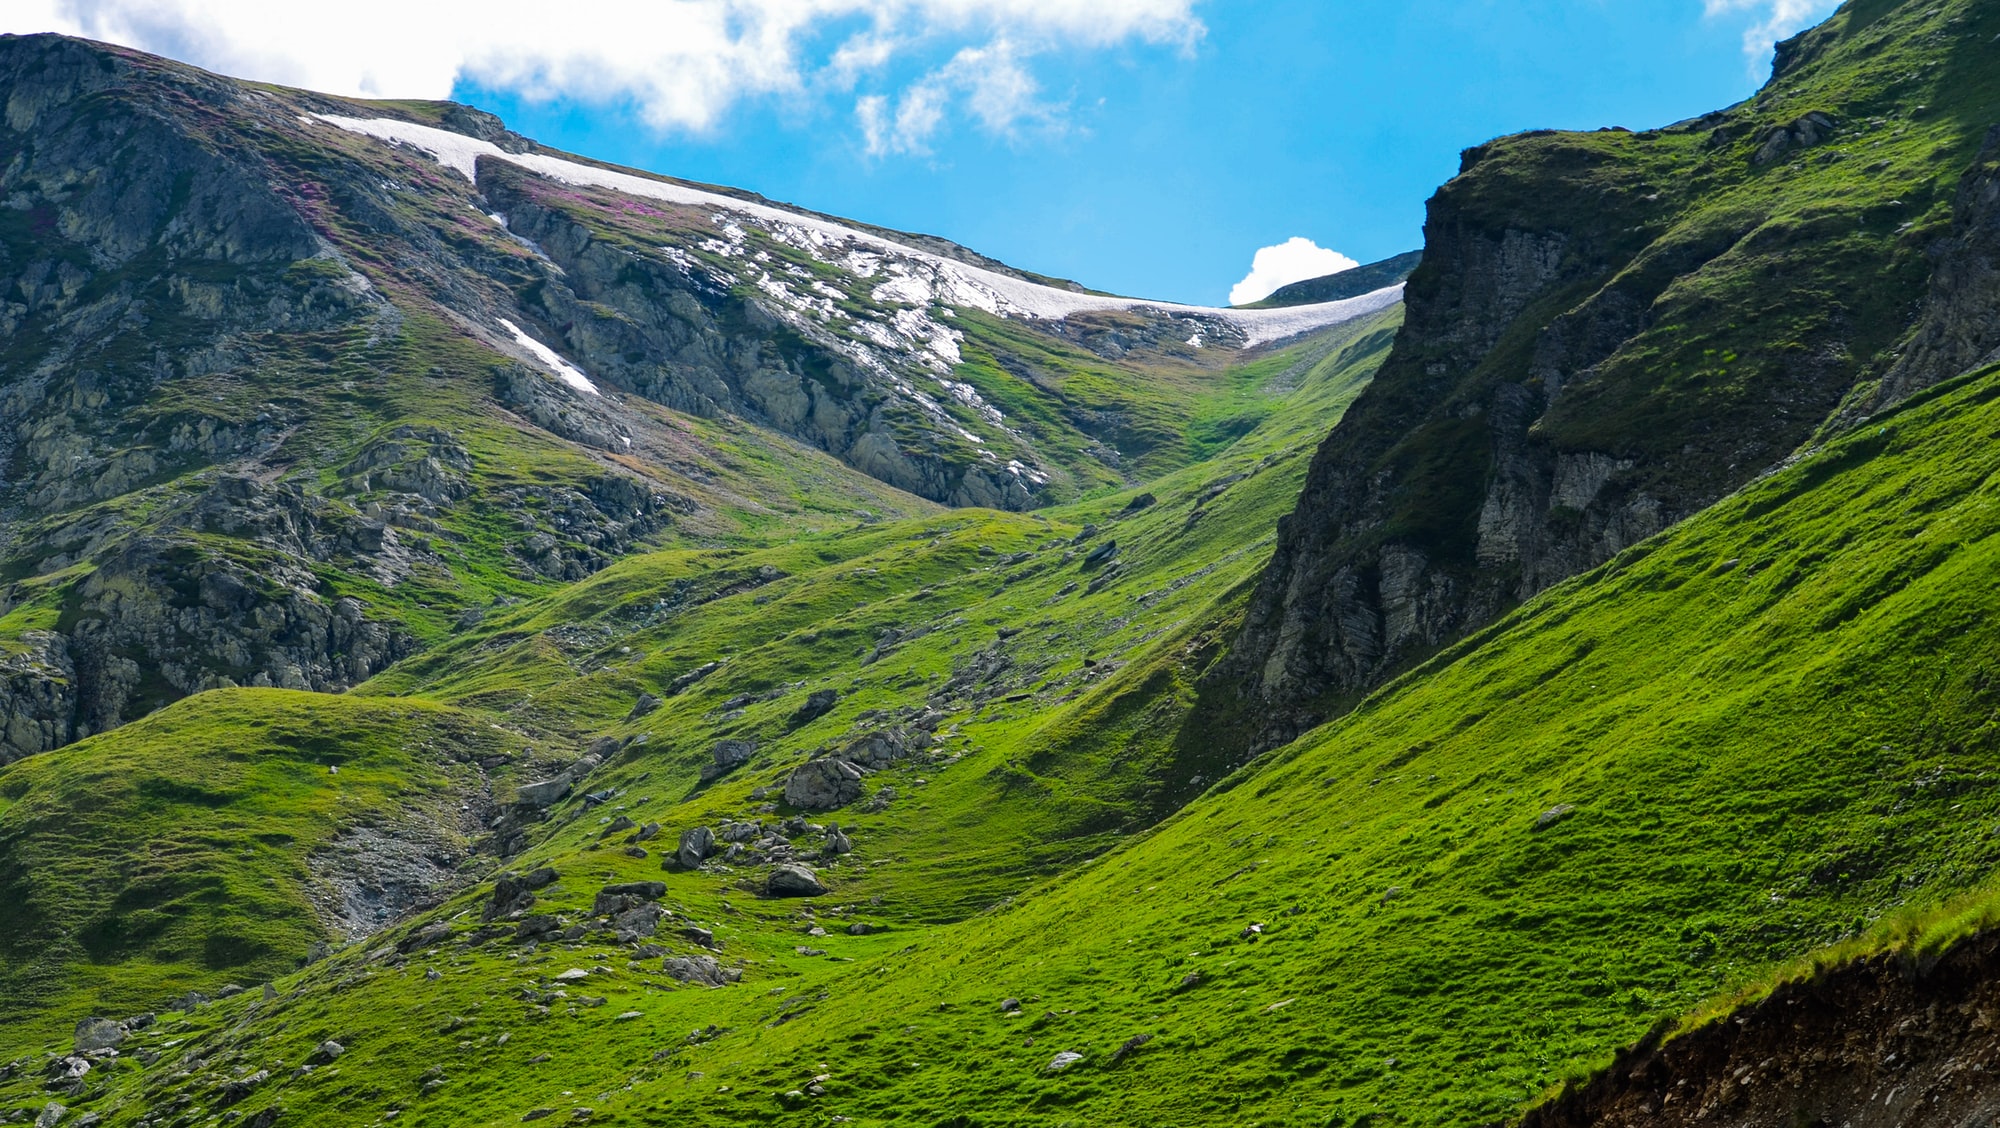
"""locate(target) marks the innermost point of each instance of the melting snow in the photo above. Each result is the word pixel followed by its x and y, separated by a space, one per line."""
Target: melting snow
pixel 950 282
pixel 568 372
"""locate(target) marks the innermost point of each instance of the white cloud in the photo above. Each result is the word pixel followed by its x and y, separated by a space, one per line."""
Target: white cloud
pixel 1774 20
pixel 682 63
pixel 1294 260
pixel 991 81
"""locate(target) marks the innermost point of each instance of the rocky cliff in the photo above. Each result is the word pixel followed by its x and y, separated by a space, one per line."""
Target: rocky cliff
pixel 1609 331
pixel 291 386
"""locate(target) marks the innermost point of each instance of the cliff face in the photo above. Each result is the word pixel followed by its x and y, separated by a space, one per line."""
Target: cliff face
pixel 1610 331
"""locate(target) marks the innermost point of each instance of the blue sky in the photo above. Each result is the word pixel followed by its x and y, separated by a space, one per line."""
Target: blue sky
pixel 1148 147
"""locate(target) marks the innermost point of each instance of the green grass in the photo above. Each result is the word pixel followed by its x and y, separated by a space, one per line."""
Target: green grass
pixel 172 854
pixel 1772 724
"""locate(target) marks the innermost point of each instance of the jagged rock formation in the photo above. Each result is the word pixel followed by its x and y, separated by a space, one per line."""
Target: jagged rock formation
pixel 1608 332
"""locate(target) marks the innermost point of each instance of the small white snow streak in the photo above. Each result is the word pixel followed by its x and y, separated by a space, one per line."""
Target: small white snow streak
pixel 927 277
pixel 567 372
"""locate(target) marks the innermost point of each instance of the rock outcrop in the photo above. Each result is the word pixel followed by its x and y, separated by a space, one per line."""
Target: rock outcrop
pixel 1959 330
pixel 1608 332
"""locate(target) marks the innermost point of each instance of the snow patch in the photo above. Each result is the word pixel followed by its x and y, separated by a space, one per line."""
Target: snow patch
pixel 564 370
pixel 941 279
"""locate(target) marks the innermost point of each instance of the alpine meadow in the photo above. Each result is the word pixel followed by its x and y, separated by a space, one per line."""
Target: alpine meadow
pixel 490 636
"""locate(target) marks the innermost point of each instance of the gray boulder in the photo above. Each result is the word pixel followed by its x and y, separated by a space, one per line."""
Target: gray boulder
pixel 837 843
pixel 823 785
pixel 793 880
pixel 99 1034
pixel 729 755
pixel 703 970
pixel 818 704
pixel 696 845
pixel 543 793
pixel 638 922
pixel 878 749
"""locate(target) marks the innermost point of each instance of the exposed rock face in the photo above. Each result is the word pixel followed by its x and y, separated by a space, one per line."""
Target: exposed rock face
pixel 1959 331
pixel 1886 1043
pixel 1588 356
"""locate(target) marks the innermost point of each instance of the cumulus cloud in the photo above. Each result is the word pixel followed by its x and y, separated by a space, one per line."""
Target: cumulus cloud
pixel 1773 20
pixel 681 63
pixel 1294 260
pixel 991 84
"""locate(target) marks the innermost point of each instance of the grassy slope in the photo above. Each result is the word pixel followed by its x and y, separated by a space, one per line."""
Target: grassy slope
pixel 644 621
pixel 170 855
pixel 1772 722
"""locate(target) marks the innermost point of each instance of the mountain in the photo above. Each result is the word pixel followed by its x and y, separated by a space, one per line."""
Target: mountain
pixel 1091 807
pixel 295 386
pixel 1347 283
pixel 1612 330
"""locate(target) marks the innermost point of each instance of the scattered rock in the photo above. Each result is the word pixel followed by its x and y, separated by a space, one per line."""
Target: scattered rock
pixel 818 704
pixel 728 756
pixel 1009 1005
pixel 1063 1061
pixel 823 785
pixel 837 843
pixel 793 880
pixel 646 704
pixel 638 922
pixel 696 845
pixel 804 951
pixel 700 936
pixel 537 926
pixel 1554 815
pixel 99 1034
pixel 878 749
pixel 572 975
pixel 51 1115
pixel 236 1090
pixel 681 683
pixel 537 1114
pixel 1812 129
pixel 859 928
pixel 703 970
pixel 1130 1044
pixel 428 936
pixel 1100 554
pixel 326 1052
pixel 649 890
pixel 647 833
pixel 618 825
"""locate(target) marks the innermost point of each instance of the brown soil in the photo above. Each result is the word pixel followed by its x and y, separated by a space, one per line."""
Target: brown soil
pixel 1887 1041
